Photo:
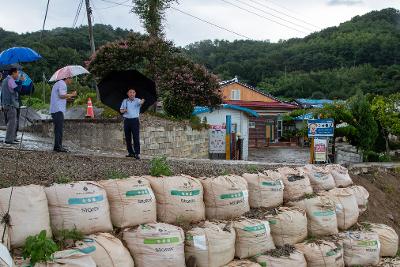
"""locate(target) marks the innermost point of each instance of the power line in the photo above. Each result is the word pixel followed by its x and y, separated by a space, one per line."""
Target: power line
pixel 44 20
pixel 282 7
pixel 97 11
pixel 78 12
pixel 275 16
pixel 210 23
pixel 83 18
pixel 261 16
pixel 115 5
pixel 280 12
pixel 190 15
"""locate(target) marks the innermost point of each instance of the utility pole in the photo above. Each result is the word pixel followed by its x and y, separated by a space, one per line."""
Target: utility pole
pixel 89 17
pixel 91 38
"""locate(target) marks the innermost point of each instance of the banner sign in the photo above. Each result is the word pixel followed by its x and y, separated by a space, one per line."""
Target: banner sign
pixel 217 135
pixel 320 149
pixel 321 128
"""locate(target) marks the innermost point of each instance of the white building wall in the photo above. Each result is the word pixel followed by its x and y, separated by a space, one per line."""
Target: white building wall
pixel 241 119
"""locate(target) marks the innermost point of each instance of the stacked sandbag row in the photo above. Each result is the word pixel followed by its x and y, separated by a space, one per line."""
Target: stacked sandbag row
pixel 180 199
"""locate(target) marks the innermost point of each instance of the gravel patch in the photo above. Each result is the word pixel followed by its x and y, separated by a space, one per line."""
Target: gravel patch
pixel 45 167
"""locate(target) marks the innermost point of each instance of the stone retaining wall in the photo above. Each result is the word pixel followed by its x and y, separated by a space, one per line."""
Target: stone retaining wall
pixel 168 138
pixel 346 154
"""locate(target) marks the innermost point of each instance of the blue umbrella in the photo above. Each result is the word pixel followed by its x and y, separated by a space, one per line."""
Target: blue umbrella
pixel 17 55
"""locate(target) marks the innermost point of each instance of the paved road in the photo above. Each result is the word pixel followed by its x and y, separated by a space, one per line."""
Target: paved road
pixel 263 155
pixel 295 155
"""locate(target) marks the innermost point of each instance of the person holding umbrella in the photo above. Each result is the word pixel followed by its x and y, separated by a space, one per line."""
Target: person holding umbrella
pixel 58 100
pixel 9 101
pixel 58 106
pixel 130 108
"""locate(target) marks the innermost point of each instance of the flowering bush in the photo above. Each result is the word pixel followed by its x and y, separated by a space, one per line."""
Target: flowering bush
pixel 180 82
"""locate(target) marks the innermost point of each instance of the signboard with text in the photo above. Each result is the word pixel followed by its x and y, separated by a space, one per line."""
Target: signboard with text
pixel 321 128
pixel 320 149
pixel 217 139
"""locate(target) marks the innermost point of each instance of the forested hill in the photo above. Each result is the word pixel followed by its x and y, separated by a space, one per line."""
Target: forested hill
pixel 61 46
pixel 361 53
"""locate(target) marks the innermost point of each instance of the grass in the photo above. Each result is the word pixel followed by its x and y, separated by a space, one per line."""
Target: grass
pixel 389 189
pixel 224 172
pixel 252 169
pixel 66 237
pixel 63 179
pixel 310 195
pixel 311 239
pixel 115 174
pixel 4 183
pixel 160 167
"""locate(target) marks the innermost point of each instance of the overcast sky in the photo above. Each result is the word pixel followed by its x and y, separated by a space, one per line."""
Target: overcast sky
pixel 256 19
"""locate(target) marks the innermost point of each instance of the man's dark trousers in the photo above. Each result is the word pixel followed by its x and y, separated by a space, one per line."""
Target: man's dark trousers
pixel 58 121
pixel 131 129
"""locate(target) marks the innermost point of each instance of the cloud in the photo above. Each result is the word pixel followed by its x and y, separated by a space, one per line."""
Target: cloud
pixel 344 2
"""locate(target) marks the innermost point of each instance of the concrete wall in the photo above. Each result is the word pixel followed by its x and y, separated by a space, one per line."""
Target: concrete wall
pixel 169 139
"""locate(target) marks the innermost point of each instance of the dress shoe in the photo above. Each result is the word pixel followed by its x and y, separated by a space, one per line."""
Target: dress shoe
pixel 137 156
pixel 11 143
pixel 130 156
pixel 63 150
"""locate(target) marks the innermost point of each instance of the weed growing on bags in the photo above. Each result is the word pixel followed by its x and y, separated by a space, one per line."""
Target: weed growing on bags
pixel 39 248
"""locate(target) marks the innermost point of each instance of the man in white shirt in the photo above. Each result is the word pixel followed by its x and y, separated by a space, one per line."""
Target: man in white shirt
pixel 58 106
pixel 130 108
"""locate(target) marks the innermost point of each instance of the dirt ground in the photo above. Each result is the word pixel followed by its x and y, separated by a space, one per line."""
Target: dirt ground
pixel 46 168
pixel 384 196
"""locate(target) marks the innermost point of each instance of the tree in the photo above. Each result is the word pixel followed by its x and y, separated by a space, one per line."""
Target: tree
pixel 363 121
pixel 386 111
pixel 152 14
pixel 180 82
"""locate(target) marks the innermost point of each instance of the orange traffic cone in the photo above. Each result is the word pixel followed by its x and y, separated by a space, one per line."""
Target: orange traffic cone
pixel 89 111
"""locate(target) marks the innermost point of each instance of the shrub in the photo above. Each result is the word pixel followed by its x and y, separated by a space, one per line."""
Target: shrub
pixel 176 107
pixel 370 156
pixel 34 103
pixel 197 124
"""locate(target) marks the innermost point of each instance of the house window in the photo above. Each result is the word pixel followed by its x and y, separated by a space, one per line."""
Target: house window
pixel 252 124
pixel 235 94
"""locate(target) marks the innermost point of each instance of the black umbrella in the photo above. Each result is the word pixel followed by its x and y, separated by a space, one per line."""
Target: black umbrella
pixel 115 85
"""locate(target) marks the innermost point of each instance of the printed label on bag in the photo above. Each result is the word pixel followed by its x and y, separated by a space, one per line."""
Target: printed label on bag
pixel 188 193
pixel 199 242
pixel 275 186
pixel 339 207
pixel 368 243
pixel 88 250
pixel 324 213
pixel 272 222
pixel 85 200
pixel 232 195
pixel 139 192
pixel 258 227
pixel 321 176
pixel 157 241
